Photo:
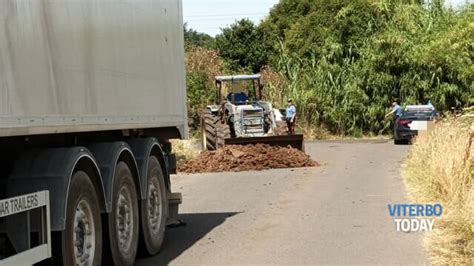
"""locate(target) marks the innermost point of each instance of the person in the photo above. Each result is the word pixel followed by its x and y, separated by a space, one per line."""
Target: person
pixel 396 111
pixel 290 117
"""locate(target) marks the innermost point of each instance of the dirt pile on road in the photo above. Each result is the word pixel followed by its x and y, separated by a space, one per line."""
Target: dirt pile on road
pixel 237 158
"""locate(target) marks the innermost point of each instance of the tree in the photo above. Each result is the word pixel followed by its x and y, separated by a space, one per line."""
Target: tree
pixel 242 47
pixel 345 60
pixel 194 39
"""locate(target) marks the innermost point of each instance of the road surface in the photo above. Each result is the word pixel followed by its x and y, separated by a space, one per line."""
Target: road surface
pixel 334 214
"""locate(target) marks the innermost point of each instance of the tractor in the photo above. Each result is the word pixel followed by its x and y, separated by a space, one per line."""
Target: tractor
pixel 240 116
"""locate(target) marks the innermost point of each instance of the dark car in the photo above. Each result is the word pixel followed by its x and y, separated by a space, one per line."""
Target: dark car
pixel 414 118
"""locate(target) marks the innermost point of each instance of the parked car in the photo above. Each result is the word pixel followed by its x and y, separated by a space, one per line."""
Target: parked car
pixel 414 119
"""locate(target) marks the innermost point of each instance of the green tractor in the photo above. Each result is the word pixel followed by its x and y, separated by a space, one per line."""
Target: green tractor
pixel 240 116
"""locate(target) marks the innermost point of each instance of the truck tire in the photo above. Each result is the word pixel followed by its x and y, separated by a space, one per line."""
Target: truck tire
pixel 154 209
pixel 208 129
pixel 123 224
pixel 82 238
pixel 281 128
pixel 223 132
pixel 400 141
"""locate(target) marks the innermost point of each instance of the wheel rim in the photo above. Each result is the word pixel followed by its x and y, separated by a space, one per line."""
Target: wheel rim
pixel 84 234
pixel 154 207
pixel 124 219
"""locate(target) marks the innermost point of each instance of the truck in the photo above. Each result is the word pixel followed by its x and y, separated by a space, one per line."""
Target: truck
pixel 91 93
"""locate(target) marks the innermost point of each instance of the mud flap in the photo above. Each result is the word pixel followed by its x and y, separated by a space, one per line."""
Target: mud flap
pixel 174 200
pixel 295 141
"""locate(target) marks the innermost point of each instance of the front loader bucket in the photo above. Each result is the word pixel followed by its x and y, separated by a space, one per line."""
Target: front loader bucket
pixel 295 141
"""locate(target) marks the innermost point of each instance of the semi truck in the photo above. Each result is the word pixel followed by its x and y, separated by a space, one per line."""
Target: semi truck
pixel 91 92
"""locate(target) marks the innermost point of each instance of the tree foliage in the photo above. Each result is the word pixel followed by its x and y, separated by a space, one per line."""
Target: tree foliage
pixel 344 61
pixel 202 65
pixel 194 39
pixel 242 47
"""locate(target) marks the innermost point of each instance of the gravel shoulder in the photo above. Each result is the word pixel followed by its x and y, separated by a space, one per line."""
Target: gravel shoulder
pixel 333 214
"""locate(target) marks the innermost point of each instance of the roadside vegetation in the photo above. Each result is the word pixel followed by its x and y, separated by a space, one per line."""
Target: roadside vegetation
pixel 185 150
pixel 343 61
pixel 440 169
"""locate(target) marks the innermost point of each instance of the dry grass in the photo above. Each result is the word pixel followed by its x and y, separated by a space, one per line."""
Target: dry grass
pixel 311 132
pixel 440 169
pixel 185 149
pixel 274 89
pixel 206 61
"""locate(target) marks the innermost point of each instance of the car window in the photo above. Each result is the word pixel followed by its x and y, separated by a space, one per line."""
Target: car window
pixel 418 114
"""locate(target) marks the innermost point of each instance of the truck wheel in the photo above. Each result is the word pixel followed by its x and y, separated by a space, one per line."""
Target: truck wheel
pixel 123 219
pixel 82 238
pixel 400 141
pixel 154 209
pixel 223 132
pixel 208 128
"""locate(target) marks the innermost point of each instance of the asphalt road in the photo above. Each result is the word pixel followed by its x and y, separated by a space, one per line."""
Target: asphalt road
pixel 334 214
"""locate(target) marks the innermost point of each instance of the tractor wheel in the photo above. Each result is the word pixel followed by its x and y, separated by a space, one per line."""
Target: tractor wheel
pixel 223 132
pixel 281 128
pixel 208 129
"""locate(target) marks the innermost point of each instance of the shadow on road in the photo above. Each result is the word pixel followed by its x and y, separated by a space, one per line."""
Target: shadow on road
pixel 179 239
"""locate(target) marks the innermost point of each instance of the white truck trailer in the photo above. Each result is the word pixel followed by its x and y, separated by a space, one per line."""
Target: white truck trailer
pixel 91 92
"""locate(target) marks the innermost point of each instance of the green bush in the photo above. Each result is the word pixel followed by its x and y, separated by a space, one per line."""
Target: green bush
pixel 346 61
pixel 200 94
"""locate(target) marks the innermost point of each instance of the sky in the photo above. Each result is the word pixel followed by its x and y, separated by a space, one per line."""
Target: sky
pixel 210 16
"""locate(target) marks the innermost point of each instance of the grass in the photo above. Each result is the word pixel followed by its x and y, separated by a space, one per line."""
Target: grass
pixel 312 132
pixel 185 150
pixel 439 168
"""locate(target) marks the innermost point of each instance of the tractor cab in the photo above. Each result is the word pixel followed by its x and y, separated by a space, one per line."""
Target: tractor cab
pixel 239 89
pixel 238 98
